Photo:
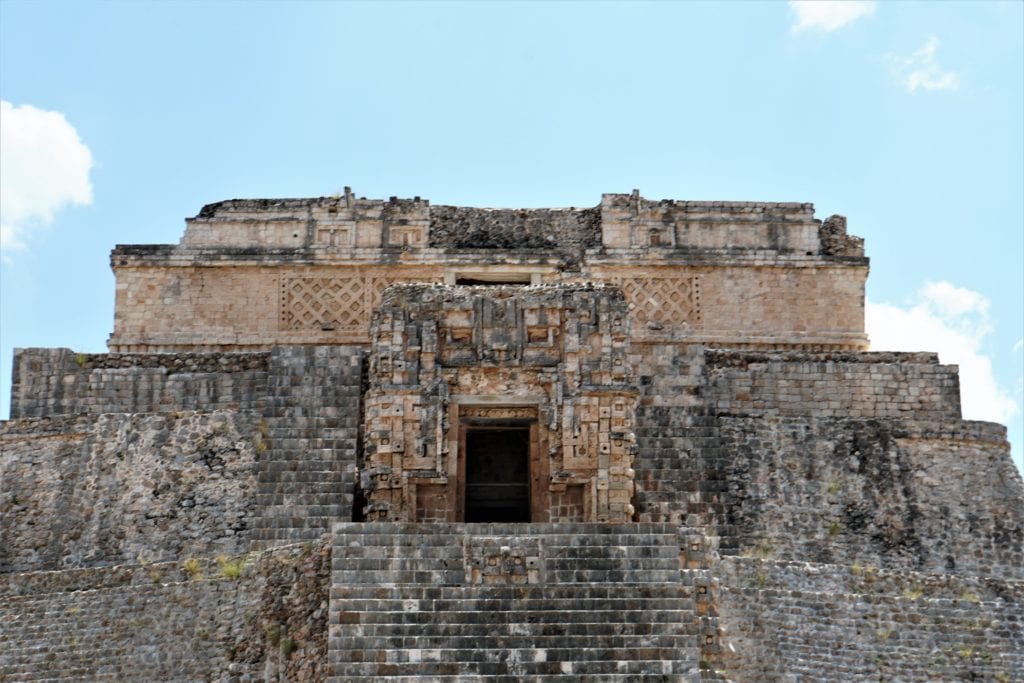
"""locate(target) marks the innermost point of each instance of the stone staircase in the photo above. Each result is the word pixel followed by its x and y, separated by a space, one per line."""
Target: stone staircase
pixel 306 474
pixel 516 602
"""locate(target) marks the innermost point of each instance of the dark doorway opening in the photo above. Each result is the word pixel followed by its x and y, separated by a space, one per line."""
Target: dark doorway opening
pixel 498 474
pixel 480 282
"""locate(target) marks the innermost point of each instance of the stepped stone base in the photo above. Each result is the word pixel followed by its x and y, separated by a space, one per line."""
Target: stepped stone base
pixel 511 602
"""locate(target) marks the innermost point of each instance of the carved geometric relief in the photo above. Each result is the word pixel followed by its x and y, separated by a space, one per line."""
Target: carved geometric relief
pixel 662 301
pixel 337 235
pixel 326 302
pixel 406 236
pixel 498 412
pixel 378 283
pixel 311 302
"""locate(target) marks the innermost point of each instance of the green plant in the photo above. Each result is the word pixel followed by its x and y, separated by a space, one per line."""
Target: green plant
pixel 231 568
pixel 1002 677
pixel 272 632
pixel 835 527
pixel 913 593
pixel 154 574
pixel 193 568
pixel 288 646
pixel 834 487
pixel 883 634
pixel 80 358
pixel 965 652
pixel 970 596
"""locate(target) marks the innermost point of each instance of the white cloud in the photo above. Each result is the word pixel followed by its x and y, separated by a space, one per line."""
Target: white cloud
pixel 954 322
pixel 828 15
pixel 44 166
pixel 920 71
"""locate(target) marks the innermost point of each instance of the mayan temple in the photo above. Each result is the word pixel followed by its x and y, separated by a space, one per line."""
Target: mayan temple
pixel 349 439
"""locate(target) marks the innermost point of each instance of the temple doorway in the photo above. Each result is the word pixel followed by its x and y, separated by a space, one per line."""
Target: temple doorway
pixel 497 479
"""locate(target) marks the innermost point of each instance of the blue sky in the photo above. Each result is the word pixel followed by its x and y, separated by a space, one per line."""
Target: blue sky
pixel 121 119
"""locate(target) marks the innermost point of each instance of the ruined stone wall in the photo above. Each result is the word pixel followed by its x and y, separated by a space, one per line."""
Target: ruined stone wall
pixel 48 382
pixel 255 273
pixel 240 619
pixel 896 385
pixel 935 497
pixel 87 491
pixel 788 227
pixel 826 622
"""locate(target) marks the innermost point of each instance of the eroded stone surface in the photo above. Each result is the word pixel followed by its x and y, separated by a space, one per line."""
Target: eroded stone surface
pixel 720 483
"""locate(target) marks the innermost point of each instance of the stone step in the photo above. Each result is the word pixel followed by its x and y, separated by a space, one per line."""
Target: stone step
pixel 518 653
pixel 487 532
pixel 664 601
pixel 660 662
pixel 457 575
pixel 689 677
pixel 511 614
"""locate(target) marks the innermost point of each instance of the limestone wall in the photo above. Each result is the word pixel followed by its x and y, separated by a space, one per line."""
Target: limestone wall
pixel 758 302
pixel 48 382
pixel 255 273
pixel 937 497
pixel 783 621
pixel 264 301
pixel 619 221
pixel 87 491
pixel 239 619
pixel 897 385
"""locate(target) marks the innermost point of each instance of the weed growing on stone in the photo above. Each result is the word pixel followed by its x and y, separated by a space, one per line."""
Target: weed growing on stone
pixel 231 568
pixel 913 593
pixel 834 487
pixel 193 568
pixel 288 646
pixel 883 634
pixel 970 596
pixel 835 527
pixel 80 359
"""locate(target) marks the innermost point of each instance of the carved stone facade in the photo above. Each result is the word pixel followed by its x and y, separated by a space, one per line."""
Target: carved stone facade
pixel 252 274
pixel 550 360
pixel 343 439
